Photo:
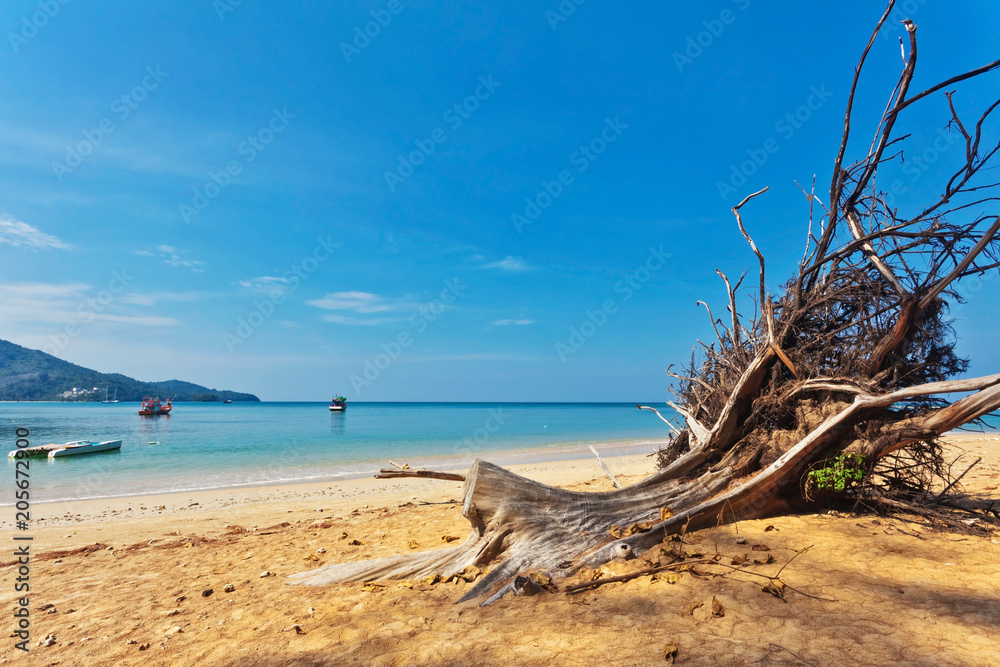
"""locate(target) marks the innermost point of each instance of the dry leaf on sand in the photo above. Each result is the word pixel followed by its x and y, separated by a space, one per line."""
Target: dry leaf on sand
pixel 717 609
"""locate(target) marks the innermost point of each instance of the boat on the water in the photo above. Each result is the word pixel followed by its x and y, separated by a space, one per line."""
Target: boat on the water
pixel 113 400
pixel 69 449
pixel 338 404
pixel 153 406
pixel 228 400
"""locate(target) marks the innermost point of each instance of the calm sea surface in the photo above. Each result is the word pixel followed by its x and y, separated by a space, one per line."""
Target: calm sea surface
pixel 215 445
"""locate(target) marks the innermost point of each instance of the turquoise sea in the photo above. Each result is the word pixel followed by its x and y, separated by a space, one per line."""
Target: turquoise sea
pixel 215 445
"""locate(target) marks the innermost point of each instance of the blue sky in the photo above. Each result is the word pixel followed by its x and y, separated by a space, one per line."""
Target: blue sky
pixel 270 200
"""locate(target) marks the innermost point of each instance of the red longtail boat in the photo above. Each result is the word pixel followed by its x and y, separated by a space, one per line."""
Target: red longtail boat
pixel 152 406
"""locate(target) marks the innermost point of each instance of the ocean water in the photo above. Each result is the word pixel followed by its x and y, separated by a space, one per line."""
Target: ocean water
pixel 215 445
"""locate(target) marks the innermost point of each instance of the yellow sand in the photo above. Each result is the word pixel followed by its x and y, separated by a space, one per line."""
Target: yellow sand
pixel 134 571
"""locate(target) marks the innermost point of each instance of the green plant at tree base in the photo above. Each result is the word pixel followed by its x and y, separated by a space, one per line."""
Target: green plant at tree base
pixel 844 471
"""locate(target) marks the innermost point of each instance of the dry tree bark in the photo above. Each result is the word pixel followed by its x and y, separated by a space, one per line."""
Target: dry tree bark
pixel 854 355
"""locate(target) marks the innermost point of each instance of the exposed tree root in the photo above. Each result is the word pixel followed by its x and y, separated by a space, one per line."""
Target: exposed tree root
pixel 531 525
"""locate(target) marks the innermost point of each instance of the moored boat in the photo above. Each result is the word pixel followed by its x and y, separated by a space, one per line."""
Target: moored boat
pixel 153 406
pixel 338 404
pixel 86 447
pixel 68 449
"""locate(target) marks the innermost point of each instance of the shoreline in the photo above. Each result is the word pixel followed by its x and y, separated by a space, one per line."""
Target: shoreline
pixel 576 451
pixel 72 524
pixel 513 459
pixel 342 494
pixel 510 457
pixel 357 402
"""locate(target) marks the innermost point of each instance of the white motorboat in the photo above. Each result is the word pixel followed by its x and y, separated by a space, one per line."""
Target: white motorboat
pixel 68 449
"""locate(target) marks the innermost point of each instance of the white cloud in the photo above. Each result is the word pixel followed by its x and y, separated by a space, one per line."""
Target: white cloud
pixel 17 233
pixel 53 306
pixel 359 321
pixel 152 152
pixel 503 323
pixel 137 299
pixel 142 320
pixel 354 306
pixel 474 356
pixel 510 263
pixel 43 291
pixel 357 302
pixel 152 298
pixel 169 255
pixel 193 264
pixel 265 284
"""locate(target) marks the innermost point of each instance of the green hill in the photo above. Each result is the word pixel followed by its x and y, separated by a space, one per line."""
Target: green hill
pixel 31 375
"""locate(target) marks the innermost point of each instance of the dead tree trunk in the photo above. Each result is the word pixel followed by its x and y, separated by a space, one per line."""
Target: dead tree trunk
pixel 535 527
pixel 852 358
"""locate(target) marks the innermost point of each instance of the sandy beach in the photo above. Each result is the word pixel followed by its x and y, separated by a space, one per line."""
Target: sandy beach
pixel 177 579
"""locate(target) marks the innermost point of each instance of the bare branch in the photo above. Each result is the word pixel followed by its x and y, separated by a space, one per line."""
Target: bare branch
pixel 944 84
pixel 939 286
pixel 760 257
pixel 836 186
pixel 872 162
pixel 713 320
pixel 810 197
pixel 851 216
pixel 657 412
pixel 737 342
pixel 391 473
pixel 698 432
